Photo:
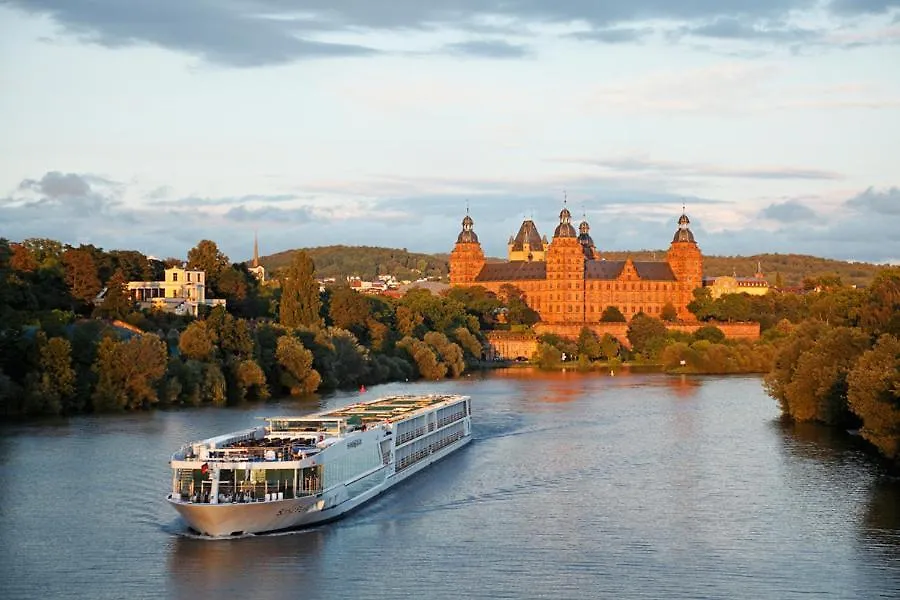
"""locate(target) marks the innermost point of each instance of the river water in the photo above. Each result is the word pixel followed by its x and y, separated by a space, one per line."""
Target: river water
pixel 576 486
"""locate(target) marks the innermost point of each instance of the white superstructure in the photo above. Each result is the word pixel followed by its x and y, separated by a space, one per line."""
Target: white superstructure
pixel 297 471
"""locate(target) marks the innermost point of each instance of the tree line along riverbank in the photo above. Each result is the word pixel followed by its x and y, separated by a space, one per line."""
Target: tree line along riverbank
pixel 830 355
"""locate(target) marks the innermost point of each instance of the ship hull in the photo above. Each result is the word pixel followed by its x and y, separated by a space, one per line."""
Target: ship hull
pixel 233 519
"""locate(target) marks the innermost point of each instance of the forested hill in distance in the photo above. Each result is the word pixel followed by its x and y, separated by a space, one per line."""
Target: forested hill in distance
pixel 368 262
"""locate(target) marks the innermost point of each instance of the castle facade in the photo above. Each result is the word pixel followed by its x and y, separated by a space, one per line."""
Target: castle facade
pixel 569 282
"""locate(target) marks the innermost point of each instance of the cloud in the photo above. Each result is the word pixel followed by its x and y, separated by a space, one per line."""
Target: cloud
pixel 55 185
pixel 617 35
pixel 242 214
pixel 732 28
pixel 248 33
pixel 488 49
pixel 878 203
pixel 788 212
pixel 226 33
pixel 194 201
pixel 675 169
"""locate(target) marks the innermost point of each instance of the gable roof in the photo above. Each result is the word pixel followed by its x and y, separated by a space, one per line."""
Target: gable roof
pixel 527 233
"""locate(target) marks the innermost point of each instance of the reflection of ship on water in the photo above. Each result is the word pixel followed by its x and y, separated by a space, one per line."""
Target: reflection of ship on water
pixel 267 564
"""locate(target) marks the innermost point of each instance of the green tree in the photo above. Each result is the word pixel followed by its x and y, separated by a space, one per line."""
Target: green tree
pixel 612 314
pixel 468 342
pixel 197 342
pixel 609 346
pixel 646 334
pixel 450 353
pixel 128 372
pixel 818 387
pixel 669 313
pixel 424 358
pixel 207 257
pixel 710 333
pixel 881 311
pixel 589 345
pixel 249 381
pixel 117 301
pixel 701 305
pixel 300 302
pixel 518 311
pixel 873 394
pixel 50 388
pixel 798 342
pixel 296 373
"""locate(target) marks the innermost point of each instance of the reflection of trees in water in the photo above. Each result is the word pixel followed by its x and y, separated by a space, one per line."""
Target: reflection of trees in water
pixel 843 458
pixel 260 566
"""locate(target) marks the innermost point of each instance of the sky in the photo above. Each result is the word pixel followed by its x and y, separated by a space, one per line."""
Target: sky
pixel 154 124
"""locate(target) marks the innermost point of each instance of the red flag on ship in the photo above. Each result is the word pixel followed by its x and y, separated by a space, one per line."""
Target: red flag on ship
pixel 204 469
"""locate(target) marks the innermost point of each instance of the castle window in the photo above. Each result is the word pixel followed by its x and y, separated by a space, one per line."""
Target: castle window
pixel 608 287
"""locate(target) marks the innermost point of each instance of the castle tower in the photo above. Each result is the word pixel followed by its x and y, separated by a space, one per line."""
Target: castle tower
pixel 467 258
pixel 686 261
pixel 528 244
pixel 587 243
pixel 565 274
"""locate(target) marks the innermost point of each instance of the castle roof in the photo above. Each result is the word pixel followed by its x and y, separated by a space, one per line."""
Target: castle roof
pixel 528 233
pixel 594 269
pixel 518 269
pixel 646 270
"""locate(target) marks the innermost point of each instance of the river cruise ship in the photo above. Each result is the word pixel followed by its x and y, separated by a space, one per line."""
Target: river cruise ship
pixel 298 471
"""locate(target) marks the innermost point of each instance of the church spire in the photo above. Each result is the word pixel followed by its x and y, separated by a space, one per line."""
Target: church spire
pixel 255 249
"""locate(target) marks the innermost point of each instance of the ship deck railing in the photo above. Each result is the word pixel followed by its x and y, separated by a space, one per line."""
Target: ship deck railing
pixel 258 453
pixel 247 494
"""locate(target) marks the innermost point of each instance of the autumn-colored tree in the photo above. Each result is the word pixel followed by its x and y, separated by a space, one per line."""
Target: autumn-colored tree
pixel 81 275
pixel 349 310
pixel 300 302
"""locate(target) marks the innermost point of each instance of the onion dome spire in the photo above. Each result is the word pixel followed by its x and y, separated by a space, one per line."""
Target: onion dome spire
pixel 467 235
pixel 564 229
pixel 683 234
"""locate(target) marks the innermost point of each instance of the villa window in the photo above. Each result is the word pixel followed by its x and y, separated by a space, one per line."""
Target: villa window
pixel 175 276
pixel 189 277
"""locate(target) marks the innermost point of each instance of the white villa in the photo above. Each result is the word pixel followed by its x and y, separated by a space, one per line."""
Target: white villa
pixel 182 292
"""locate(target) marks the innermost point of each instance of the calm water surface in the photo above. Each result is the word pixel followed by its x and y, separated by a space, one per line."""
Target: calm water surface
pixel 576 486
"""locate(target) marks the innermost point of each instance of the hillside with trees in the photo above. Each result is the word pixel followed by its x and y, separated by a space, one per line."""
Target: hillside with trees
pixel 367 262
